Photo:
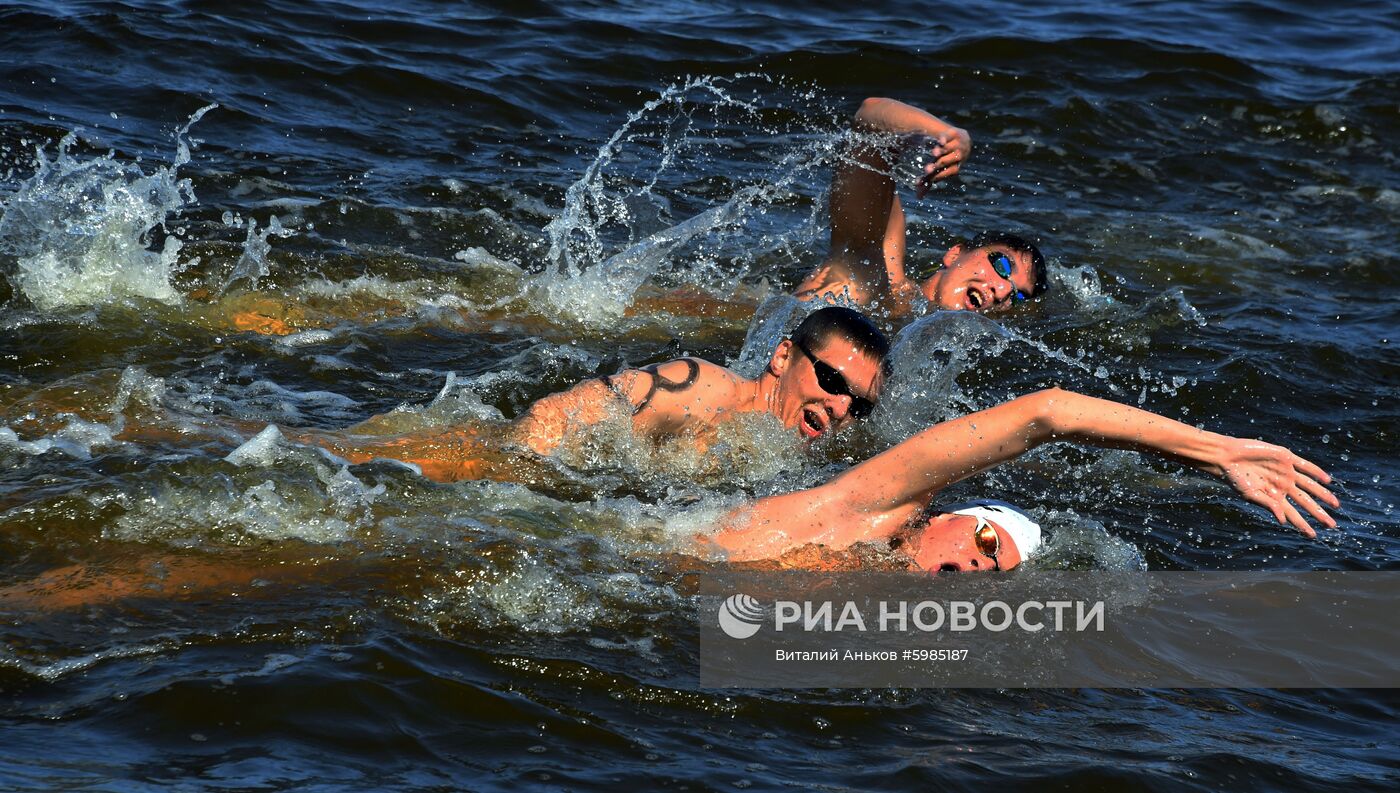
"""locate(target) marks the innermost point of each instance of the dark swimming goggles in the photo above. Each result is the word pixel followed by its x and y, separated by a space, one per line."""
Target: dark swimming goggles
pixel 1002 265
pixel 834 383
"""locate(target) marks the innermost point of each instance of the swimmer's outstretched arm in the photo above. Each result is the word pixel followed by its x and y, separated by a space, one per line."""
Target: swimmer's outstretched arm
pixel 877 497
pixel 866 258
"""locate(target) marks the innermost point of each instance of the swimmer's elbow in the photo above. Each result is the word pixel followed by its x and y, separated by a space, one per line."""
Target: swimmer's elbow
pixel 1046 415
pixel 871 109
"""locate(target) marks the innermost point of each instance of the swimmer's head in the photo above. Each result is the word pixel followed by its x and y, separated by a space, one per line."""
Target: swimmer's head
pixel 829 372
pixel 977 535
pixel 992 273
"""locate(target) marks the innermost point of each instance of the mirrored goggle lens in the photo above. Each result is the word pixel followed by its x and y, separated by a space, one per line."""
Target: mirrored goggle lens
pixel 988 543
pixel 1002 266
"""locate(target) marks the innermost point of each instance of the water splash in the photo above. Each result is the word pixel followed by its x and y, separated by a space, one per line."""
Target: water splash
pixel 595 272
pixel 81 230
pixel 81 421
pixel 274 490
pixel 928 356
pixel 1077 542
pixel 776 319
pixel 252 265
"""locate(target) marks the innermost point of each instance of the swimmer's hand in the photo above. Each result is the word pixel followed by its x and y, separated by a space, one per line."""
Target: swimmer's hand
pixel 1279 481
pixel 950 149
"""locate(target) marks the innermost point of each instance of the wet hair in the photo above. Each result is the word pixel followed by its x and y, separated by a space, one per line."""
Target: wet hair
pixel 849 324
pixel 1017 243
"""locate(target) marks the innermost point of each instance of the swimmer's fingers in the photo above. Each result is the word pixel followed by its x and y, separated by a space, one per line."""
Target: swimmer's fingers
pixel 1297 521
pixel 955 142
pixel 1313 508
pixel 948 171
pixel 1278 503
pixel 1310 485
pixel 948 159
pixel 934 174
pixel 949 152
pixel 1274 506
pixel 1312 469
pixel 1277 479
pixel 931 176
pixel 1310 488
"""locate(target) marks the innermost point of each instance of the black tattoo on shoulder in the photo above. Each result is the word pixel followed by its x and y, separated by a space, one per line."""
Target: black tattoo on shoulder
pixel 658 383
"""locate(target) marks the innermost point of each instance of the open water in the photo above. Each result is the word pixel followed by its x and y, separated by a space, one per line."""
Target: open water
pixel 459 207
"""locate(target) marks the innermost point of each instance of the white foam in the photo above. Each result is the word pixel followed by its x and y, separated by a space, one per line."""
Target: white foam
pixel 280 491
pixel 261 450
pixel 9 439
pixel 484 259
pixel 77 439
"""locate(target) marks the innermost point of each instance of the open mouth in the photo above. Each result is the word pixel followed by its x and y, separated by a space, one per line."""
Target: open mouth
pixel 975 298
pixel 813 423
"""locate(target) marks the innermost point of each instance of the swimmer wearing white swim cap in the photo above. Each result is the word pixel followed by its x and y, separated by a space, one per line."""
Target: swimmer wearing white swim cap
pixel 975 535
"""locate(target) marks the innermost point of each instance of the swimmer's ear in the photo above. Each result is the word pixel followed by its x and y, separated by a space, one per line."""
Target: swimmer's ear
pixel 782 356
pixel 952 255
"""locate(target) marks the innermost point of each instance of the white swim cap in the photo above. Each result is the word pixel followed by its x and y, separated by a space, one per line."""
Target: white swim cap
pixel 1017 524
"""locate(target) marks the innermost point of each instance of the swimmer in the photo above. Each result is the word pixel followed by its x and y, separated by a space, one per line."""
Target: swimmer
pixel 819 381
pixel 991 273
pixel 865 263
pixel 825 376
pixel 886 498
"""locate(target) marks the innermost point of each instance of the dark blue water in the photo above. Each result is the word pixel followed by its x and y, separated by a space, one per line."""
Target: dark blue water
pixel 452 182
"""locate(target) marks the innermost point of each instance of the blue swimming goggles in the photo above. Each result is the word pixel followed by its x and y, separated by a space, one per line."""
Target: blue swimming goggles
pixel 1002 265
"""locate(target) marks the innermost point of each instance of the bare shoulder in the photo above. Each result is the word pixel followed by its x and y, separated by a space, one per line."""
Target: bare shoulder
pixel 700 379
pixel 672 395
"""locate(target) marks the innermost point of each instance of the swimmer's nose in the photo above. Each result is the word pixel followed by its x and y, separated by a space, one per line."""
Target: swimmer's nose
pixel 838 409
pixel 1002 289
